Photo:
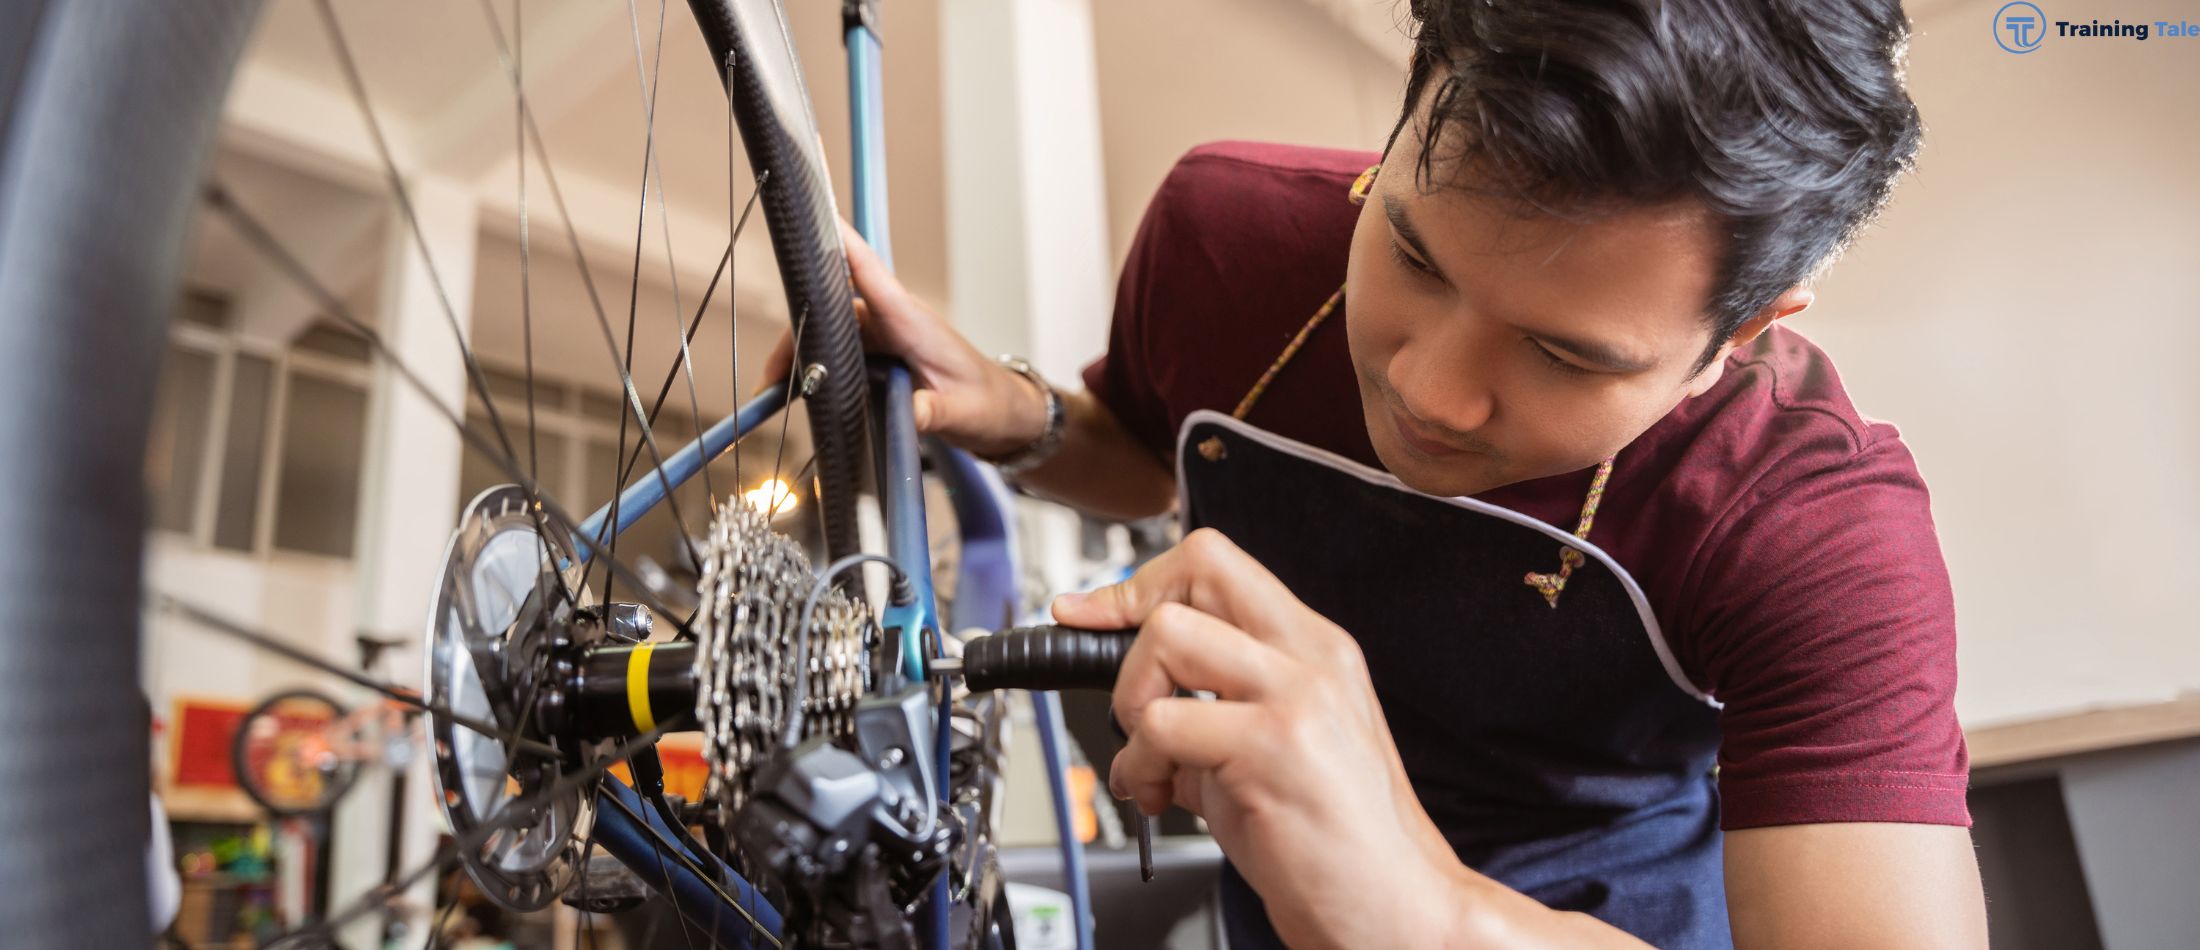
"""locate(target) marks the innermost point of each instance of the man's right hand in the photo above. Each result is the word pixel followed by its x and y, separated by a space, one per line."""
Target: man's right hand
pixel 962 396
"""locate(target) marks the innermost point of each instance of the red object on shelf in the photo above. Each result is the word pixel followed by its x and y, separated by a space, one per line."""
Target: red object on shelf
pixel 199 743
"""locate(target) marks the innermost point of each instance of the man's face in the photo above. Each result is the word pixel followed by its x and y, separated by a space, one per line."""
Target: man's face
pixel 1493 348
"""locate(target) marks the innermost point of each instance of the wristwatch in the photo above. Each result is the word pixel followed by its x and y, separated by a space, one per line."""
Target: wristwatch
pixel 1038 450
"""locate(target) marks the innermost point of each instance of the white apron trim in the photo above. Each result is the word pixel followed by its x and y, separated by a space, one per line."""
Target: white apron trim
pixel 1385 479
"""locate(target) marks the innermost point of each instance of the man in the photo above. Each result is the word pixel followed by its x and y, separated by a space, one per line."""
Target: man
pixel 1554 595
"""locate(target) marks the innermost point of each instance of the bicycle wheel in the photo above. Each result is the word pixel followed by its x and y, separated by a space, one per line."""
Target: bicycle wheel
pixel 107 114
pixel 282 759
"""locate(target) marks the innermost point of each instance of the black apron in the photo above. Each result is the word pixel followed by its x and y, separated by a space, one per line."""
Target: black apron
pixel 1560 750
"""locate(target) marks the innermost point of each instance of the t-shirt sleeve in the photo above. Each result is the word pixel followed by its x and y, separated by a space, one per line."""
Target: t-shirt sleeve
pixel 1122 379
pixel 1831 642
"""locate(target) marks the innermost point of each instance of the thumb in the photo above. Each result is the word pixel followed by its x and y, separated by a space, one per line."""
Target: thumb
pixel 923 407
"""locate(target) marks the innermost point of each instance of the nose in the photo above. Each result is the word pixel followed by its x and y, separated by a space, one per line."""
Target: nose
pixel 1449 391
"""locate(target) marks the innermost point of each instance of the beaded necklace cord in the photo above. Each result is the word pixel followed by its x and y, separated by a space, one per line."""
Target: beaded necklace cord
pixel 1569 557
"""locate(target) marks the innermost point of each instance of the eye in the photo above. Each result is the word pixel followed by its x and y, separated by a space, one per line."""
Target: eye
pixel 1408 260
pixel 1557 362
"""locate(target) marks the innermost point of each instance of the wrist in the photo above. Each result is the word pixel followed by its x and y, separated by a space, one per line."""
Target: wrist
pixel 1026 413
pixel 1033 417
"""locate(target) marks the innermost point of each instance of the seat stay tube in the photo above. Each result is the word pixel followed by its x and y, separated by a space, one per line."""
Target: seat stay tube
pixel 649 490
pixel 652 851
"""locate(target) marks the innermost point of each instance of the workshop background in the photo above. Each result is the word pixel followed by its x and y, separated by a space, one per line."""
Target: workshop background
pixel 2025 312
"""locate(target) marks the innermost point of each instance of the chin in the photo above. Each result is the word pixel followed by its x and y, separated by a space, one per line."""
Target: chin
pixel 1447 478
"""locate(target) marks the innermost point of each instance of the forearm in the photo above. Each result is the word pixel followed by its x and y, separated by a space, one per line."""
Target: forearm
pixel 1100 468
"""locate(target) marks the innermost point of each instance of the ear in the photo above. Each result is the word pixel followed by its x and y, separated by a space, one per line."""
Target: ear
pixel 1793 301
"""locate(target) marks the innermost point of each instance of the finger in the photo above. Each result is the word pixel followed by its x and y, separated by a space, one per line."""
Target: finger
pixel 1181 648
pixel 778 364
pixel 1177 734
pixel 1205 571
pixel 867 329
pixel 872 277
pixel 923 404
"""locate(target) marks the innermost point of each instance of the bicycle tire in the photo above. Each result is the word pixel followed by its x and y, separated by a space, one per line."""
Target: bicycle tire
pixel 96 190
pixel 331 793
pixel 107 116
pixel 779 132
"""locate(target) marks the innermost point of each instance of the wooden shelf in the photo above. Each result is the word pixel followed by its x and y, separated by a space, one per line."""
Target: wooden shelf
pixel 2091 730
pixel 213 805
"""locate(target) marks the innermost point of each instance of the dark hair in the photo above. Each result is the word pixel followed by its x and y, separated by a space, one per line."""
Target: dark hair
pixel 1788 119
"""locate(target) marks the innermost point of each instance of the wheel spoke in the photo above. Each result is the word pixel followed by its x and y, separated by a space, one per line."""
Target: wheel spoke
pixel 665 389
pixel 687 935
pixel 355 82
pixel 588 283
pixel 516 811
pixel 733 297
pixel 358 88
pixel 227 627
pixel 526 283
pixel 679 855
pixel 686 364
pixel 513 812
pixel 442 915
pixel 255 233
pixel 581 922
pixel 794 376
pixel 648 89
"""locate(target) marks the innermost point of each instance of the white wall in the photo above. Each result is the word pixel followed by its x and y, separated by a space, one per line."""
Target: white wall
pixel 1174 75
pixel 308 600
pixel 2024 313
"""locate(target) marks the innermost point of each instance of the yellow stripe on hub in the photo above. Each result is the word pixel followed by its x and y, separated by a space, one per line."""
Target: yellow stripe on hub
pixel 637 686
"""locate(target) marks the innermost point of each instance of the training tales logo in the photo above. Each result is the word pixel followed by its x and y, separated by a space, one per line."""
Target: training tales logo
pixel 2019 27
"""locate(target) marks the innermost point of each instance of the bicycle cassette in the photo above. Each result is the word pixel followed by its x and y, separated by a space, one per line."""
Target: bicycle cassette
pixel 500 612
pixel 753 587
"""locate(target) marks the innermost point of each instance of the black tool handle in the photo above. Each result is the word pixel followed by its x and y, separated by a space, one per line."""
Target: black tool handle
pixel 1046 657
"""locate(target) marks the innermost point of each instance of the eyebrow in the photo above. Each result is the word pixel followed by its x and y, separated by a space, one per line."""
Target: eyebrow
pixel 1598 354
pixel 1395 210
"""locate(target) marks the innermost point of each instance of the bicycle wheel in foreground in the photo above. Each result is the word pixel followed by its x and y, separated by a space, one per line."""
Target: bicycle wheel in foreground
pixel 107 115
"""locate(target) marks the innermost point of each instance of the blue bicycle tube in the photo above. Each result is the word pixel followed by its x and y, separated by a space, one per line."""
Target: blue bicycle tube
pixel 649 490
pixel 985 584
pixel 1046 707
pixel 911 546
pixel 867 130
pixel 908 541
pixel 985 596
pixel 643 845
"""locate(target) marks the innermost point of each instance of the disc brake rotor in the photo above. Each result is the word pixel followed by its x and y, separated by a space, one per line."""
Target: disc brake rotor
pixel 498 614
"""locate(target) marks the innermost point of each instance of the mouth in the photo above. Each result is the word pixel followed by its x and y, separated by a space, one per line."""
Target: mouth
pixel 1419 439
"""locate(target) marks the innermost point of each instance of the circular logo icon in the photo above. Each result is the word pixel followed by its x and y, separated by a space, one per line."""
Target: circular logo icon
pixel 2019 27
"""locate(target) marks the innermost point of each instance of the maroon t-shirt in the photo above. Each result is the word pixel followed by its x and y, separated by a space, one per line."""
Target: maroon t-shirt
pixel 1784 541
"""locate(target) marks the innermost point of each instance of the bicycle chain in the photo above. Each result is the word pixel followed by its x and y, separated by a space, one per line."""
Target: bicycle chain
pixel 753 586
